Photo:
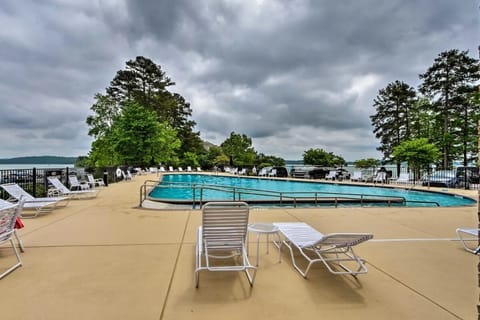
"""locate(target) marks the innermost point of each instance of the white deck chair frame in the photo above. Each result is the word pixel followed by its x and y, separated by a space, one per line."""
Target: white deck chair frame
pixel 61 190
pixel 223 236
pixel 74 183
pixel 357 176
pixel 94 182
pixel 41 205
pixel 469 234
pixel 38 206
pixel 18 206
pixel 7 230
pixel 403 178
pixel 331 175
pixel 334 250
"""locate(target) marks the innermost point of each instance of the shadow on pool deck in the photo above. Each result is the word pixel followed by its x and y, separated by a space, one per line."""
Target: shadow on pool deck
pixel 107 259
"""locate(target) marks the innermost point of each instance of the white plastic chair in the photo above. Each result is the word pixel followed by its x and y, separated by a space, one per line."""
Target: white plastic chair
pixel 95 182
pixel 8 218
pixel 357 176
pixel 77 185
pixel 222 236
pixel 331 175
pixel 334 250
pixel 469 234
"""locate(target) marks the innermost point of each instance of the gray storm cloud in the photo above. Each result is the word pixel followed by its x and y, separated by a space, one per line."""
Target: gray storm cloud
pixel 292 75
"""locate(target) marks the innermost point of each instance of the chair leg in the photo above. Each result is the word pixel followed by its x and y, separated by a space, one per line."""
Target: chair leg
pixel 15 266
pixel 20 243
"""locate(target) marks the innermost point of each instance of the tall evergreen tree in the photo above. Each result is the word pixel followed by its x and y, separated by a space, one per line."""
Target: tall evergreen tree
pixel 146 83
pixel 393 116
pixel 447 83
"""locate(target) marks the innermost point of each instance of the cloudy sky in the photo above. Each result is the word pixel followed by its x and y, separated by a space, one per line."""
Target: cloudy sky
pixel 291 74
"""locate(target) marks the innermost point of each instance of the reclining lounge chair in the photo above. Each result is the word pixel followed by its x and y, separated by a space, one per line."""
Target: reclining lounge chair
pixel 335 250
pixel 38 206
pixel 41 205
pixel 469 234
pixel 93 182
pixel 223 236
pixel 61 190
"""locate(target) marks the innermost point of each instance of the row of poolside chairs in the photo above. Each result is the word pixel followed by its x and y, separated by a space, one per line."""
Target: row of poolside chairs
pixel 58 195
pixel 171 169
pixel 380 177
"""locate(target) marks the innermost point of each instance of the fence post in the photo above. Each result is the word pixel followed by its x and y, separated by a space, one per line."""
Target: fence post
pixel 34 187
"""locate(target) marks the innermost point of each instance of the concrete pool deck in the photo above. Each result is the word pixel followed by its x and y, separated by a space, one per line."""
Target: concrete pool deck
pixel 106 258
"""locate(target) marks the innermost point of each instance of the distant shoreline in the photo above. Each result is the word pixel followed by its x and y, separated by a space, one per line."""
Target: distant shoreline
pixel 38 160
pixel 17 166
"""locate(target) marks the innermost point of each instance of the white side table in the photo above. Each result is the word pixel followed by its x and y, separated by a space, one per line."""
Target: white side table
pixel 267 229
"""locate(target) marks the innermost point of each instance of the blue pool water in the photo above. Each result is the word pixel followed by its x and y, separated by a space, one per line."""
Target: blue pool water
pixel 182 188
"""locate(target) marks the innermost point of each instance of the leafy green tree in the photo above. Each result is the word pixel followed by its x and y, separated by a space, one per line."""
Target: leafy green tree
pixel 140 139
pixel 102 153
pixel 321 157
pixel 447 83
pixel 82 162
pixel 238 147
pixel 393 116
pixel 190 159
pixel 221 160
pixel 269 161
pixel 212 153
pixel 367 163
pixel 419 153
pixel 144 81
pixel 105 111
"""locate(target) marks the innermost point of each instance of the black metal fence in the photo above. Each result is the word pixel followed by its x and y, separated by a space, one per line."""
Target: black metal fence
pixel 461 177
pixel 35 181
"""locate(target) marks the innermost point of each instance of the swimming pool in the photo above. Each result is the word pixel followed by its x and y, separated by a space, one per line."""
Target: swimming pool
pixel 200 188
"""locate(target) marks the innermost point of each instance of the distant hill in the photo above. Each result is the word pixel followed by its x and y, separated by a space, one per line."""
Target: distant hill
pixel 39 160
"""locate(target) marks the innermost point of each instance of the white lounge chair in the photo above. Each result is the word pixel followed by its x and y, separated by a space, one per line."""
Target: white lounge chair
pixel 95 182
pixel 77 185
pixel 357 176
pixel 127 176
pixel 170 168
pixel 334 250
pixel 38 206
pixel 272 173
pixel 222 236
pixel 153 169
pixel 47 203
pixel 403 178
pixel 189 169
pixel 199 169
pixel 331 175
pixel 469 234
pixel 380 177
pixel 59 189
